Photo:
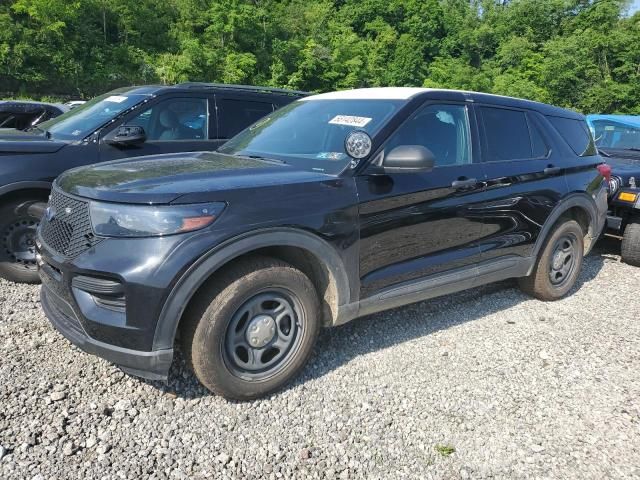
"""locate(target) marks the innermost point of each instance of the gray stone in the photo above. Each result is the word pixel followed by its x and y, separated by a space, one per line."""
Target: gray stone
pixel 58 395
pixel 376 401
pixel 103 448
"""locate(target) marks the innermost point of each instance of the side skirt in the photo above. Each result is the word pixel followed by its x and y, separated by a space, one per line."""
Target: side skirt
pixel 444 283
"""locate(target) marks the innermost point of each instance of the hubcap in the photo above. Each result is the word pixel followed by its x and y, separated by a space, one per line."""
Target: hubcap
pixel 261 331
pixel 263 336
pixel 18 241
pixel 563 260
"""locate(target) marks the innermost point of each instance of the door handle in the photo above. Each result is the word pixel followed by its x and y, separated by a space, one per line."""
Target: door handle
pixel 551 170
pixel 464 183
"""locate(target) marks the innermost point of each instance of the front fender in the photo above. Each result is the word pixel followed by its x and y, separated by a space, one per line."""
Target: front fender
pixel 217 257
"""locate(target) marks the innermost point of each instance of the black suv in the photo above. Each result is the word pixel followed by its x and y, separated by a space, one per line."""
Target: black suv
pixel 336 206
pixel 128 122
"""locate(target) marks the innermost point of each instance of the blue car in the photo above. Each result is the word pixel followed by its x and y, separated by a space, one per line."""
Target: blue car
pixel 618 139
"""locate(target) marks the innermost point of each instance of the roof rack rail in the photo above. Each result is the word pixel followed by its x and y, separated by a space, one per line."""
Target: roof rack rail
pixel 241 87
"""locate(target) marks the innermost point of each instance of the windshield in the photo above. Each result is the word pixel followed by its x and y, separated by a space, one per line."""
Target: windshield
pixel 311 133
pixel 610 134
pixel 85 119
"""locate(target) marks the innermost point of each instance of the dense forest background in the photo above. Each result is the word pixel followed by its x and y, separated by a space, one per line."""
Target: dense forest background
pixel 583 54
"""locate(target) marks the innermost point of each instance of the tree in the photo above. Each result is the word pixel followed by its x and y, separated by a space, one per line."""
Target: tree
pixel 582 54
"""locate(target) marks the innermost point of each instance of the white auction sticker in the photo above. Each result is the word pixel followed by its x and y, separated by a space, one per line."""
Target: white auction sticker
pixel 115 99
pixel 350 120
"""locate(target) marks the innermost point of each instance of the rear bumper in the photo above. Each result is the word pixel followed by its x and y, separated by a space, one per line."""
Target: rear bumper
pixel 153 365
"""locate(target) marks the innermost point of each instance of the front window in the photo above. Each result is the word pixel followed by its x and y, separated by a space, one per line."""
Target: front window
pixel 175 119
pixel 441 129
pixel 311 133
pixel 76 124
pixel 610 134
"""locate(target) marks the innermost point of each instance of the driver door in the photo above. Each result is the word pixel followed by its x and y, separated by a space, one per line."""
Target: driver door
pixel 176 124
pixel 417 224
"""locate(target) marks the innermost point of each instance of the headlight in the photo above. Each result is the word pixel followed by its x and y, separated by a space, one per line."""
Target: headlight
pixel 117 220
pixel 614 185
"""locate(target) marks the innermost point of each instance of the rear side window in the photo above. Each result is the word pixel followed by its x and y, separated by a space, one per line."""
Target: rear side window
pixel 236 115
pixel 576 134
pixel 506 134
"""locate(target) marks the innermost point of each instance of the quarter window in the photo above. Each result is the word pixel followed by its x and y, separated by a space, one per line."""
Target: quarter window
pixel 576 134
pixel 443 129
pixel 236 115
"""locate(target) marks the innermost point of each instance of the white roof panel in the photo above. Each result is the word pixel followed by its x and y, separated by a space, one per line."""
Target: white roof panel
pixel 382 93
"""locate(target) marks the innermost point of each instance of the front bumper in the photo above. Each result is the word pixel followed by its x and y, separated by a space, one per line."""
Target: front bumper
pixel 153 365
pixel 624 203
pixel 106 304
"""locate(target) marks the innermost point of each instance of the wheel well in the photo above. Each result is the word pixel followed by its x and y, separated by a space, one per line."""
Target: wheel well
pixel 27 194
pixel 583 218
pixel 300 258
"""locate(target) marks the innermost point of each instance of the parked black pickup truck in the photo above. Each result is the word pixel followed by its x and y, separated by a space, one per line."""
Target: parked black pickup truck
pixel 128 122
pixel 338 205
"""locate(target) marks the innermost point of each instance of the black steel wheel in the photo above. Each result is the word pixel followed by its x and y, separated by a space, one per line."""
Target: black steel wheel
pixel 252 328
pixel 18 224
pixel 558 264
pixel 563 259
pixel 264 333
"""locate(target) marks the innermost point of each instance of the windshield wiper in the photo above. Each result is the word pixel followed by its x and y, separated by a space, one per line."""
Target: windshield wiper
pixel 635 149
pixel 266 159
pixel 46 133
pixel 603 153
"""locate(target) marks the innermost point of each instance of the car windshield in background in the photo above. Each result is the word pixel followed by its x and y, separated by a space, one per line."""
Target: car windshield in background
pixel 311 133
pixel 85 119
pixel 608 134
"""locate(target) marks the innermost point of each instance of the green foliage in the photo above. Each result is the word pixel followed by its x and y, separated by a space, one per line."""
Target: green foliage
pixel 583 54
pixel 445 450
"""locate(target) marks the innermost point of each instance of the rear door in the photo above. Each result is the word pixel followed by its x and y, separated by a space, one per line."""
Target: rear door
pixel 236 111
pixel 524 179
pixel 580 172
pixel 414 225
pixel 172 124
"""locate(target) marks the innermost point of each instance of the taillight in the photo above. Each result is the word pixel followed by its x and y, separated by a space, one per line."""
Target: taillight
pixel 605 171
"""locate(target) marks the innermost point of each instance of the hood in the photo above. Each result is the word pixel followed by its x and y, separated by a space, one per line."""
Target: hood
pixel 17 141
pixel 178 178
pixel 624 163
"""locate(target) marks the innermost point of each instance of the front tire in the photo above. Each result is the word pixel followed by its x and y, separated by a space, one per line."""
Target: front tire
pixel 558 265
pixel 19 220
pixel 252 329
pixel 630 250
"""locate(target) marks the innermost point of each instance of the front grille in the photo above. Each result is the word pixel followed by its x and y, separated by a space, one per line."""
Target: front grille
pixel 67 228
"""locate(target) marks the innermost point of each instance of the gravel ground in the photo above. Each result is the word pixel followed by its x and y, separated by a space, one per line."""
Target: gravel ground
pixel 486 383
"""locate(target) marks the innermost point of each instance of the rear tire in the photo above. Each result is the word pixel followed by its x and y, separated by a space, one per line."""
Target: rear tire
pixel 18 222
pixel 558 265
pixel 252 329
pixel 630 250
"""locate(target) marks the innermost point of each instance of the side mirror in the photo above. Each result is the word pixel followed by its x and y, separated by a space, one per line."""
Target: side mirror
pixel 409 158
pixel 126 136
